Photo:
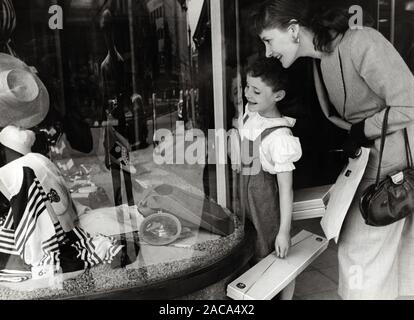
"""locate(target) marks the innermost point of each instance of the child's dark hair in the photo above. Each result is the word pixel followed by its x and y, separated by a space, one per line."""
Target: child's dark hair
pixel 270 71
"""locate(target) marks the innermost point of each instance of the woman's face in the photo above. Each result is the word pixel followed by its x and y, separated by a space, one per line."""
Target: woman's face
pixel 280 44
pixel 261 97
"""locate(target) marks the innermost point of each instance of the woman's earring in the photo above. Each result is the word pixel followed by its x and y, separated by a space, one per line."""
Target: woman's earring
pixel 297 40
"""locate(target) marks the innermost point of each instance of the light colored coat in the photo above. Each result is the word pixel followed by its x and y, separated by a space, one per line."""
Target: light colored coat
pixel 374 262
pixel 375 76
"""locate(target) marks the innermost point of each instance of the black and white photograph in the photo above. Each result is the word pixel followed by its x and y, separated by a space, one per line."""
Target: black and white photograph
pixel 190 151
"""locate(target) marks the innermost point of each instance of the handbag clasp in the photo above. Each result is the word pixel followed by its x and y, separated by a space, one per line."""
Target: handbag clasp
pixel 398 178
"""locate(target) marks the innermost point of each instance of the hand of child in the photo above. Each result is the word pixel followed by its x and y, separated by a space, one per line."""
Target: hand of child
pixel 236 168
pixel 282 244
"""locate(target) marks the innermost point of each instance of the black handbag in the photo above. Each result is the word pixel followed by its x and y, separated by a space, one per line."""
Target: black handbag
pixel 391 199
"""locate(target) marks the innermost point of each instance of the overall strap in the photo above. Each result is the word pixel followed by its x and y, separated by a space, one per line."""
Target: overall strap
pixel 253 145
pixel 265 132
pixel 268 131
pixel 246 117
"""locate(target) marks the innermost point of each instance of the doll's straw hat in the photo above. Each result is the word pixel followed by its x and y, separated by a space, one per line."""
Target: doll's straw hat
pixel 24 100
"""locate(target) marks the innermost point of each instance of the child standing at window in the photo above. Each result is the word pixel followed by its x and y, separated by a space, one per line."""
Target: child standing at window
pixel 268 152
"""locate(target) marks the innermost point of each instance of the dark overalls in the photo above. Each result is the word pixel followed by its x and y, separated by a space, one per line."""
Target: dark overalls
pixel 260 197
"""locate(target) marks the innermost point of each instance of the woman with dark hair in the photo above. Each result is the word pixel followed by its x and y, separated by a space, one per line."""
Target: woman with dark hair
pixel 363 74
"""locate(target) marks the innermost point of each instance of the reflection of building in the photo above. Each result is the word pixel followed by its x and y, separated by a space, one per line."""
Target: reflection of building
pixel 154 47
pixel 203 66
pixel 170 20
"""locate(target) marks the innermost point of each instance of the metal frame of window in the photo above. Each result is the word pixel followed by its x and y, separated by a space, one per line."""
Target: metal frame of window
pixel 219 89
pixel 392 22
pixel 391 17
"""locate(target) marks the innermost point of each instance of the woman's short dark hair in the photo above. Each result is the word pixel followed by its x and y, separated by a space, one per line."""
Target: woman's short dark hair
pixel 325 22
pixel 270 71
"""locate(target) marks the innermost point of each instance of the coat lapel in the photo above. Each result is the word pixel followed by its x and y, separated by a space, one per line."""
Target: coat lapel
pixel 332 76
pixel 325 104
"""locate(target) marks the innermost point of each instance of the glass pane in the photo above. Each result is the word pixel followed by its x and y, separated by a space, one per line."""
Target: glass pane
pixel 234 99
pixel 404 31
pixel 320 140
pixel 384 17
pixel 130 133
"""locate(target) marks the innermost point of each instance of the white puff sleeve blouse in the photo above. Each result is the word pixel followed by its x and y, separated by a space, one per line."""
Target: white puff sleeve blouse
pixel 280 149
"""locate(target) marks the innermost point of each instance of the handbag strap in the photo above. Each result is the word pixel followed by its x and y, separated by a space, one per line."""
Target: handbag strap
pixel 383 136
pixel 408 149
pixel 343 81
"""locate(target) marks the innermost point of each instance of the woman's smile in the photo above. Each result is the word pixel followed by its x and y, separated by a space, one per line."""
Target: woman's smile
pixel 279 45
pixel 278 57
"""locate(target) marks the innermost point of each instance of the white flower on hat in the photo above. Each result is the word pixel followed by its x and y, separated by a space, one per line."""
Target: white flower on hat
pixel 17 139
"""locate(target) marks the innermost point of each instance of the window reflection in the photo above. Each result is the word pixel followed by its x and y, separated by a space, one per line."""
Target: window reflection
pixel 404 31
pixel 131 109
pixel 118 73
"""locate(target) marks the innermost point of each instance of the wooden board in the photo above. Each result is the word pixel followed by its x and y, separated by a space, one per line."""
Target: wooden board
pixel 311 198
pixel 342 194
pixel 267 278
pixel 308 214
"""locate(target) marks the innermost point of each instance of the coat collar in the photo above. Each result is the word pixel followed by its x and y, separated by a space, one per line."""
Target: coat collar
pixel 334 82
pixel 332 77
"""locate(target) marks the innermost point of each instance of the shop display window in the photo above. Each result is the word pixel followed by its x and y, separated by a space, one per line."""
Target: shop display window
pixel 130 172
pixel 128 165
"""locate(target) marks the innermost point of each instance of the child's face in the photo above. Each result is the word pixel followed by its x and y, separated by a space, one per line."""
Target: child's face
pixel 260 96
